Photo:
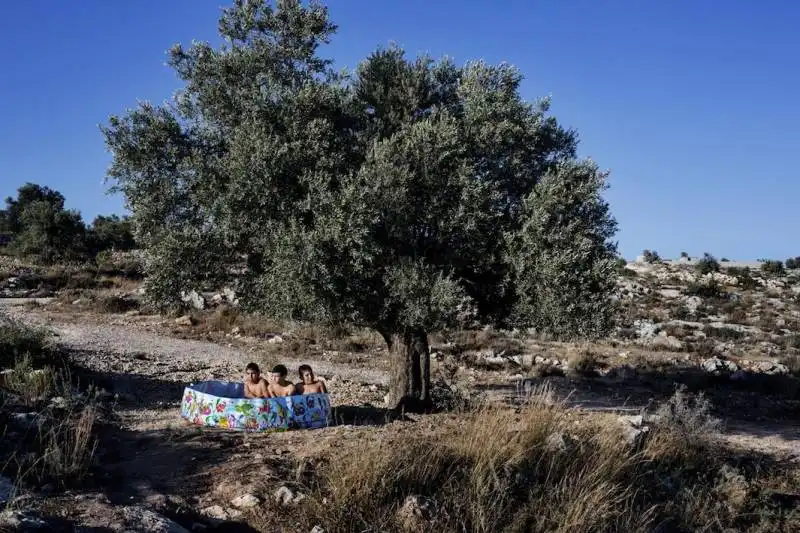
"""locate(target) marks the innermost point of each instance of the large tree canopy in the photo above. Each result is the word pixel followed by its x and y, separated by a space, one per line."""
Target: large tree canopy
pixel 403 196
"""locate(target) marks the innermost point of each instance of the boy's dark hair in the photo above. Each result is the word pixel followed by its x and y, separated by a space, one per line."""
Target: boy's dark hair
pixel 280 369
pixel 304 368
pixel 254 367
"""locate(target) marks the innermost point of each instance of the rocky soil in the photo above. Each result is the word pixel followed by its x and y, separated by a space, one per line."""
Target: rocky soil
pixel 733 337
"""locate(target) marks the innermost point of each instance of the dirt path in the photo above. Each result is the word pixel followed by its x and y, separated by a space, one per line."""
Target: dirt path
pixel 121 348
pixel 151 369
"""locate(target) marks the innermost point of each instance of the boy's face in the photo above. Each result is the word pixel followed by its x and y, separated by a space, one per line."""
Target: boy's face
pixel 253 375
pixel 308 377
pixel 274 377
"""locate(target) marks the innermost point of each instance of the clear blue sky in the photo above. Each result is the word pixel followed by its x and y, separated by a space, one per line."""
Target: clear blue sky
pixel 692 104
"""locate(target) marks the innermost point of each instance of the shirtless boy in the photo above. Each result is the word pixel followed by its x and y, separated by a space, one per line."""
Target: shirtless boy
pixel 254 385
pixel 279 385
pixel 309 384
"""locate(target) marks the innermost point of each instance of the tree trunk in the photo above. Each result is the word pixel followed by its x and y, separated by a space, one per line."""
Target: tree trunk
pixel 410 380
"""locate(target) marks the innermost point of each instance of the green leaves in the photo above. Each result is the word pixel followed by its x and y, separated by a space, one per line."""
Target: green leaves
pixel 563 260
pixel 400 197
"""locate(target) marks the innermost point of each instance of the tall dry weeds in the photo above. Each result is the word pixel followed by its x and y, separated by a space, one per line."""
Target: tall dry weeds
pixel 540 468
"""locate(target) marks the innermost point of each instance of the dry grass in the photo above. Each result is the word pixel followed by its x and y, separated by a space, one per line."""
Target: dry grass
pixel 584 363
pixel 540 469
pixel 41 442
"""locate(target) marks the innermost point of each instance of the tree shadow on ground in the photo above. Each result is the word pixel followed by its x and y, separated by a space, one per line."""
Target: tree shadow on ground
pixel 366 415
pixel 135 389
pixel 755 406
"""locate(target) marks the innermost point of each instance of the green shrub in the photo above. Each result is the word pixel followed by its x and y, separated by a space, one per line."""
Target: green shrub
pixel 712 289
pixel 707 264
pixel 18 341
pixel 793 263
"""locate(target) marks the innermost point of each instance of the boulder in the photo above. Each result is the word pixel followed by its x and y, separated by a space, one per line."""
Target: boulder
pixel 245 501
pixel 634 432
pixel 715 365
pixel 194 299
pixel 284 495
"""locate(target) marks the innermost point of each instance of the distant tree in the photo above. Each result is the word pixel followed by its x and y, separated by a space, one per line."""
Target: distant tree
pixel 685 255
pixel 707 264
pixel 409 196
pixel 39 226
pixel 11 217
pixel 793 263
pixel 651 256
pixel 50 234
pixel 111 233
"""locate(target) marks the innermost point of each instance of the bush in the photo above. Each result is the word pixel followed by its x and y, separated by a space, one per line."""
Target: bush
pixel 772 266
pixel 745 278
pixel 540 470
pixel 115 304
pixel 711 289
pixel 18 341
pixel 685 255
pixel 651 256
pixel 793 263
pixel 707 264
pixel 723 333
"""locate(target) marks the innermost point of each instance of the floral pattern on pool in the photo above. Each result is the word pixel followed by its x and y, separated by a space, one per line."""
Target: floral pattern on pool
pixel 222 404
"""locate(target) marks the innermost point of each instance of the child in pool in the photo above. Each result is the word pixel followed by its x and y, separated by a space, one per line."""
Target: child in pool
pixel 254 385
pixel 279 385
pixel 309 384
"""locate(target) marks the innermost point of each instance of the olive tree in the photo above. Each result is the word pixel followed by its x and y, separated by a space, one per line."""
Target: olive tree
pixel 404 196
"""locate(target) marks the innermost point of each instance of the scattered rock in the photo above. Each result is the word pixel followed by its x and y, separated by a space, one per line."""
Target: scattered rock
pixel 194 299
pixel 770 368
pixel 216 512
pixel 645 329
pixel 17 521
pixel 634 432
pixel 275 339
pixel 715 365
pixel 284 495
pixel 245 501
pixel 317 529
pixel 230 295
pixel 185 320
pixel 414 513
pixel 59 402
pixel 693 303
pixel 145 520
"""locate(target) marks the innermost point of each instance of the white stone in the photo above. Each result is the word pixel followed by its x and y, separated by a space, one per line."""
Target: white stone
pixel 245 501
pixel 193 298
pixel 284 495
pixel 146 520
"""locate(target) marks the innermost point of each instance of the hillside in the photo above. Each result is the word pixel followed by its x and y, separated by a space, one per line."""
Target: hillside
pixel 694 399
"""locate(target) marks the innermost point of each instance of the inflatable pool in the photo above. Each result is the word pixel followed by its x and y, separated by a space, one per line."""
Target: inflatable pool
pixel 222 404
